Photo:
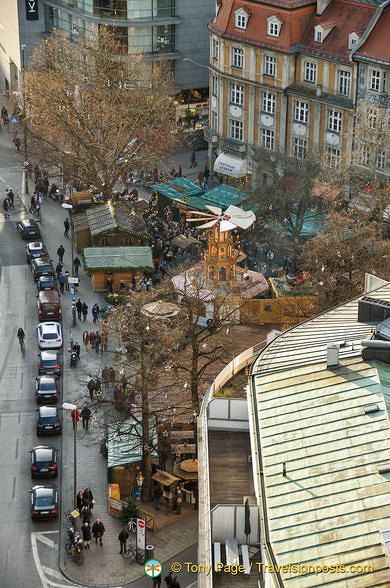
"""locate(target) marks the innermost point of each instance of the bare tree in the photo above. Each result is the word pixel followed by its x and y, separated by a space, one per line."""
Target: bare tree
pixel 95 113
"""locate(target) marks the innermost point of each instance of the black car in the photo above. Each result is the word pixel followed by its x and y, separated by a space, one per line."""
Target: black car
pixel 41 266
pixel 28 229
pixel 44 461
pixel 34 250
pixel 49 363
pixel 44 501
pixel 48 422
pixel 46 282
pixel 46 389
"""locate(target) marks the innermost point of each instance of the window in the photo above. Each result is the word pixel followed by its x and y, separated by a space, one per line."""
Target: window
pixel 381 160
pixel 333 157
pixel 335 121
pixel 300 146
pixel 301 111
pixel 238 57
pixel 273 28
pixel 310 72
pixel 216 49
pixel 267 139
pixel 352 40
pixel 344 83
pixel 364 155
pixel 215 86
pixel 375 81
pixel 372 118
pixel 237 94
pixel 268 104
pixel 270 66
pixel 319 37
pixel 241 20
pixel 214 121
pixel 236 130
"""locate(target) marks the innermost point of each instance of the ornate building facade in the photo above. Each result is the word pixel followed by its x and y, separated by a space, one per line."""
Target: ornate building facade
pixel 285 79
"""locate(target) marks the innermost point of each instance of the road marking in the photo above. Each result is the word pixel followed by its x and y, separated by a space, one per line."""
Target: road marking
pixel 46 582
pixel 47 541
pixel 14 488
pixel 54 573
pixel 37 561
pixel 17 449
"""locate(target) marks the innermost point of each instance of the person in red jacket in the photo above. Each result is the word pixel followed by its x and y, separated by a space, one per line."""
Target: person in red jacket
pixel 75 417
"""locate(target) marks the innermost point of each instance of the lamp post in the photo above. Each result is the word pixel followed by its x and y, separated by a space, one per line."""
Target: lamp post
pixel 23 47
pixel 73 290
pixel 140 481
pixel 195 417
pixel 69 406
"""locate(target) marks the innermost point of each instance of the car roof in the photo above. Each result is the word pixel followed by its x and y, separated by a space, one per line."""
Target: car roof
pixel 35 245
pixel 49 354
pixel 27 222
pixel 47 410
pixel 49 297
pixel 42 448
pixel 44 489
pixel 49 327
pixel 46 277
pixel 47 379
pixel 41 261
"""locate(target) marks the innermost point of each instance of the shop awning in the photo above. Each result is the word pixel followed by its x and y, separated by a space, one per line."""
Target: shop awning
pixel 230 165
pixel 165 478
pixel 118 258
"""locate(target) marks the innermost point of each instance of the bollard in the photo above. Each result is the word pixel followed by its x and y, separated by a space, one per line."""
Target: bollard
pixel 149 552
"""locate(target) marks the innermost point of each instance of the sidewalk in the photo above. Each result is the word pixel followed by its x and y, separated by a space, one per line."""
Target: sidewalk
pixel 103 566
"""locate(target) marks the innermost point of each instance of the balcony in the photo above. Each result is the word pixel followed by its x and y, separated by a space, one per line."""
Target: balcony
pixel 223 142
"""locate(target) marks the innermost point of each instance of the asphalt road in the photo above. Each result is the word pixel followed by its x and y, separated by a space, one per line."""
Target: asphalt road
pixel 24 545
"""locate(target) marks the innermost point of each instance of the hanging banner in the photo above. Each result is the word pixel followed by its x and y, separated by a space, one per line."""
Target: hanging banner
pixel 140 534
pixel 32 10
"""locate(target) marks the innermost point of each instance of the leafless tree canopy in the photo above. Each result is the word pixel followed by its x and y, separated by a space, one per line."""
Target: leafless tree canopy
pixel 87 105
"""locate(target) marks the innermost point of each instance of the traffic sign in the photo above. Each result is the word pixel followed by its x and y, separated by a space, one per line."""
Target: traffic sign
pixel 74 297
pixel 140 534
pixel 14 120
pixel 73 281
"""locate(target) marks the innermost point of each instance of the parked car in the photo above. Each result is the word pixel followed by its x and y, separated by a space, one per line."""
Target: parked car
pixel 49 363
pixel 49 306
pixel 28 229
pixel 41 266
pixel 44 501
pixel 49 335
pixel 48 422
pixel 46 282
pixel 44 461
pixel 34 250
pixel 46 389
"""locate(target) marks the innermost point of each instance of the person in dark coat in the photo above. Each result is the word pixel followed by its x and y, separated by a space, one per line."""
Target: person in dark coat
pixel 77 349
pixel 157 493
pixel 86 514
pixel 168 580
pixel 67 227
pixel 85 311
pixel 88 497
pixel 79 501
pixel 76 265
pixel 86 416
pixel 91 387
pixel 123 537
pixel 79 308
pixel 87 536
pixel 60 253
pixel 98 531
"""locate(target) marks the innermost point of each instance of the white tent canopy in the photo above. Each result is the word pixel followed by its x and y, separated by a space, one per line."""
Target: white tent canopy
pixel 230 165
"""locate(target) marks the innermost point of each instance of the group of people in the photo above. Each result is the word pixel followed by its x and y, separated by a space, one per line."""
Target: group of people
pixel 8 201
pixel 96 340
pixel 85 504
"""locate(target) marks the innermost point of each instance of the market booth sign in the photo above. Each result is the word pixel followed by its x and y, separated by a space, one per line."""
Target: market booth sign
pixel 230 165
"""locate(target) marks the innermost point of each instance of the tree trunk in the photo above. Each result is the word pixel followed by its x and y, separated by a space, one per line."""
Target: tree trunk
pixel 146 441
pixel 194 363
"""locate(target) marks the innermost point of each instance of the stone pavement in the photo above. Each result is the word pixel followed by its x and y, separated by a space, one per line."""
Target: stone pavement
pixel 103 566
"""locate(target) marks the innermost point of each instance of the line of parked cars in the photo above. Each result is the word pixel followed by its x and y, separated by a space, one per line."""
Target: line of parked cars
pixel 44 458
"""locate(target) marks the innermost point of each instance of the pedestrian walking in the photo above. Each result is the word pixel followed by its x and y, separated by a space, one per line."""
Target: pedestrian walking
pixel 86 340
pixel 112 375
pixel 98 531
pixel 77 349
pixel 157 493
pixel 123 537
pixel 98 388
pixel 86 416
pixel 61 280
pixel 75 417
pixel 32 203
pixel 91 388
pixel 88 497
pixel 95 312
pixel 85 311
pixel 11 197
pixel 98 340
pixel 157 582
pixel 67 280
pixel 103 341
pixel 79 501
pixel 175 583
pixel 17 144
pixel 92 339
pixel 86 514
pixel 76 265
pixel 168 580
pixel 193 159
pixel 87 536
pixel 67 227
pixel 58 270
pixel 79 308
pixel 6 207
pixel 60 253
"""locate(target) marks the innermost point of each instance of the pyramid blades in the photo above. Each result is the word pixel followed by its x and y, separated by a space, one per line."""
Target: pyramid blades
pixel 242 218
pixel 214 209
pixel 208 225
pixel 226 226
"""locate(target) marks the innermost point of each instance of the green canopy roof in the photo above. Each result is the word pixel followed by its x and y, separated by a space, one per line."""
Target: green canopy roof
pixel 125 443
pixel 118 257
pixel 174 189
pixel 224 195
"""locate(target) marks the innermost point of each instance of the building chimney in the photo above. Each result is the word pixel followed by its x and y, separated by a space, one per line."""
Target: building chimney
pixel 332 357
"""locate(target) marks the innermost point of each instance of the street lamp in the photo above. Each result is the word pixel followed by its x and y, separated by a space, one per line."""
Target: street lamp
pixel 140 481
pixel 70 208
pixel 23 47
pixel 195 417
pixel 69 406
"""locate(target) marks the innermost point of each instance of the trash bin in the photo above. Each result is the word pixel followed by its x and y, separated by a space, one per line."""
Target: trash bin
pixel 149 552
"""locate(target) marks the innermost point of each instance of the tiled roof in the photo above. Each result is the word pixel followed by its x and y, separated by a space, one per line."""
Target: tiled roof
pixel 104 217
pixel 330 506
pixel 377 45
pixel 295 16
pixel 349 16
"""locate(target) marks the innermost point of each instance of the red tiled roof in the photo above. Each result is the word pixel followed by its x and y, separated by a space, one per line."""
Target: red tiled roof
pixel 377 45
pixel 350 16
pixel 294 19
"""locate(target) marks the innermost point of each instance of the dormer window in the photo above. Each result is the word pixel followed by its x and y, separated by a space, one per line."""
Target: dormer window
pixel 274 26
pixel 353 38
pixel 319 37
pixel 241 18
pixel 321 31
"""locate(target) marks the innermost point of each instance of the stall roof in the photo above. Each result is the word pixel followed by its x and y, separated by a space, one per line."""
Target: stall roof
pixel 118 257
pixel 105 217
pixel 224 195
pixel 165 478
pixel 124 443
pixel 177 187
pixel 184 242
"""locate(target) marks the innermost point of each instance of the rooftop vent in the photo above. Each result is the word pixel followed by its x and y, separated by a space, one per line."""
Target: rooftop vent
pixel 369 408
pixel 332 357
pixel 372 310
pixel 376 349
pixel 384 469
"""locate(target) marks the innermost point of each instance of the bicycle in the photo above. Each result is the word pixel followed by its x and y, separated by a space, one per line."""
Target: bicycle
pixel 21 342
pixel 131 552
pixel 74 549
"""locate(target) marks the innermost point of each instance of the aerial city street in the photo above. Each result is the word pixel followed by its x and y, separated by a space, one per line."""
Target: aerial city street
pixel 195 293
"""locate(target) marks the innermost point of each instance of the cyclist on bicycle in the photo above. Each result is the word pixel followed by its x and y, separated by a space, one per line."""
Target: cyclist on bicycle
pixel 20 335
